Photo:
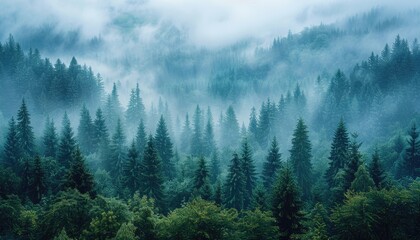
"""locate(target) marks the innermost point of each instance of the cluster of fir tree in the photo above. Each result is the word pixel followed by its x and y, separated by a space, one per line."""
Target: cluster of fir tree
pixel 49 86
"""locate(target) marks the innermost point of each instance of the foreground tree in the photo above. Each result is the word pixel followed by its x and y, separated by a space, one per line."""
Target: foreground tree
pixel 271 166
pixel 24 131
pixel 376 172
pixel 235 184
pixel 79 176
pixel 287 205
pixel 151 175
pixel 248 170
pixel 201 180
pixel 67 145
pixel 300 158
pixel 164 149
pixel 85 131
pixel 132 170
pixel 11 147
pixel 38 187
pixel 50 139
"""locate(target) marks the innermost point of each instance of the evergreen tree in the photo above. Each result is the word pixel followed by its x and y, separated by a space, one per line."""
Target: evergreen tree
pixel 248 170
pixel 286 205
pixel 376 172
pixel 26 177
pixel 132 170
pixel 230 129
pixel 67 143
pixel 271 166
pixel 85 131
pixel 201 180
pixel 362 181
pixel 300 158
pixel 209 144
pixel 260 199
pixel 24 131
pixel 196 138
pixel 339 153
pixel 141 138
pixel 264 125
pixel 164 149
pixel 113 108
pixel 38 187
pixel 214 167
pixel 218 194
pixel 411 164
pixel 253 126
pixel 100 133
pixel 151 176
pixel 79 176
pixel 235 184
pixel 11 147
pixel 135 109
pixel 116 162
pixel 50 139
pixel 186 135
pixel 355 159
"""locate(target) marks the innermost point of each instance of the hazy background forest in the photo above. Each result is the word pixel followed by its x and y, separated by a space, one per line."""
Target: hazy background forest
pixel 240 110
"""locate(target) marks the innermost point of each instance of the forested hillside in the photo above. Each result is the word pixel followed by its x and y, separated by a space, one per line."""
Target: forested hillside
pixel 154 173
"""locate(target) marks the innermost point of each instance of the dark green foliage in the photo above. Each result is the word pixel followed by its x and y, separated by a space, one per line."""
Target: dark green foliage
pixel 141 138
pixel 248 170
pixel 286 205
pixel 362 181
pixel 79 176
pixel 24 131
pixel 38 188
pixel 163 145
pixel 260 199
pixel 117 158
pixel 355 159
pixel 9 182
pixel 218 194
pixel 339 153
pixel 132 170
pixel 135 110
pixel 300 159
pixel 11 147
pixel 411 164
pixel 100 140
pixel 199 219
pixel 257 225
pixel 67 143
pixel 271 166
pixel 85 131
pixel 317 224
pixel 103 227
pixel 376 172
pixel 144 217
pixel 50 139
pixel 10 209
pixel 234 188
pixel 201 180
pixel 26 177
pixel 151 176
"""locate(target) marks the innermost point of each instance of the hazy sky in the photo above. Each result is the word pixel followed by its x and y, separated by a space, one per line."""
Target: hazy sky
pixel 211 23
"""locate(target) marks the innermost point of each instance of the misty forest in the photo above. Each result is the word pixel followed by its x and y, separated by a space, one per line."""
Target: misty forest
pixel 222 120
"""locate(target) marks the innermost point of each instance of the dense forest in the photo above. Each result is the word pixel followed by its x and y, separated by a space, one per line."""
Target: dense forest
pixel 312 136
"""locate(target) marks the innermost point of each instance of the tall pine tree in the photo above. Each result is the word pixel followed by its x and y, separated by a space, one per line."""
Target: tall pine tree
pixel 411 164
pixel 100 139
pixel 67 143
pixel 24 131
pixel 300 159
pixel 11 147
pixel 85 131
pixel 117 158
pixel 201 180
pixel 271 166
pixel 38 187
pixel 197 138
pixel 79 176
pixel 235 184
pixel 248 169
pixel 164 149
pixel 141 138
pixel 135 110
pixel 355 159
pixel 376 172
pixel 50 139
pixel 132 170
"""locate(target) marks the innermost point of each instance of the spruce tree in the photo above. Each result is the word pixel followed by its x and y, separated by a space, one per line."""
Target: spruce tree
pixel 253 126
pixel 85 131
pixel 411 164
pixel 264 125
pixel 355 159
pixel 141 138
pixel 100 139
pixel 362 181
pixel 248 170
pixel 235 184
pixel 214 167
pixel 151 175
pixel 339 153
pixel 209 143
pixel 79 176
pixel 38 187
pixel 164 149
pixel 197 138
pixel 286 205
pixel 201 180
pixel 50 139
pixel 300 159
pixel 271 166
pixel 376 172
pixel 230 129
pixel 135 110
pixel 132 170
pixel 11 147
pixel 24 131
pixel 117 158
pixel 67 143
